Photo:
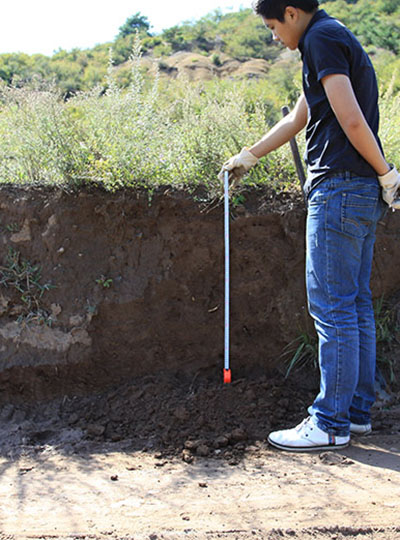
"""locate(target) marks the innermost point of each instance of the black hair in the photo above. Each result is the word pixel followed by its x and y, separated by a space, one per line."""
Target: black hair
pixel 275 9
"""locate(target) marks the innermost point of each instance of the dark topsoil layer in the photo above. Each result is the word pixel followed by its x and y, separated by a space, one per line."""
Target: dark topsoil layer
pixel 140 362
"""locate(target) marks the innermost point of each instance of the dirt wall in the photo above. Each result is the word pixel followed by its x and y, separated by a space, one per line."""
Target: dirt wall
pixel 136 285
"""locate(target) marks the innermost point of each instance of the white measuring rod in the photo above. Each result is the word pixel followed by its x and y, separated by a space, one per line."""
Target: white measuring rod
pixel 227 370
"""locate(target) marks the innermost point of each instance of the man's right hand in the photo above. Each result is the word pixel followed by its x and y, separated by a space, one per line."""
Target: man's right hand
pixel 238 166
pixel 390 183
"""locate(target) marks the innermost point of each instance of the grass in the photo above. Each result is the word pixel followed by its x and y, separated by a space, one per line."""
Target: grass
pixel 302 352
pixel 24 278
pixel 386 331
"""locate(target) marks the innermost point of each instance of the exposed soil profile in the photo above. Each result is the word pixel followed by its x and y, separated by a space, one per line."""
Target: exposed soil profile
pixel 136 286
pixel 111 357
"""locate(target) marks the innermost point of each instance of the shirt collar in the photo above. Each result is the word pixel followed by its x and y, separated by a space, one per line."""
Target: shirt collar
pixel 320 14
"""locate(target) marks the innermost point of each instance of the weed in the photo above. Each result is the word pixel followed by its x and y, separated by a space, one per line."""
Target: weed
pixel 237 199
pixel 384 322
pixel 39 317
pixel 12 227
pixel 302 352
pixel 386 329
pixel 25 278
pixel 104 282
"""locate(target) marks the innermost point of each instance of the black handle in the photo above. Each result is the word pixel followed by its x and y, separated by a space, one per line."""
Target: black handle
pixel 295 151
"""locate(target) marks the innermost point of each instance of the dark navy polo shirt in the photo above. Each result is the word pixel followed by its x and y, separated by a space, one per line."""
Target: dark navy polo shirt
pixel 327 47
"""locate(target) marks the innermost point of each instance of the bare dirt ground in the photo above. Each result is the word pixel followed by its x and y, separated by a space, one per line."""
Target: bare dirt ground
pixel 193 464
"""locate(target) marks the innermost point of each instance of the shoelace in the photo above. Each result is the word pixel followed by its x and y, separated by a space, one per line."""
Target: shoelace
pixel 303 423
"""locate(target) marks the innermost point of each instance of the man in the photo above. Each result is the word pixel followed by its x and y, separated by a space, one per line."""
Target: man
pixel 345 169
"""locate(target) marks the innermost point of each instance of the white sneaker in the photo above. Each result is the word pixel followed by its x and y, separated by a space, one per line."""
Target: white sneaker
pixel 360 429
pixel 356 429
pixel 306 437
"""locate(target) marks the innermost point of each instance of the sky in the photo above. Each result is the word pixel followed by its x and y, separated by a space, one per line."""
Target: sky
pixel 44 26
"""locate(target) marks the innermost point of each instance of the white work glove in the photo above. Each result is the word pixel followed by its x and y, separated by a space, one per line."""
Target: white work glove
pixel 238 166
pixel 390 183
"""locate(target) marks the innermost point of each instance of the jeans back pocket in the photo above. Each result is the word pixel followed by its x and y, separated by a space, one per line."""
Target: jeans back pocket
pixel 359 214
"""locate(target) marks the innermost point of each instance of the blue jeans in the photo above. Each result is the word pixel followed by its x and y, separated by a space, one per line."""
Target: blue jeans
pixel 342 215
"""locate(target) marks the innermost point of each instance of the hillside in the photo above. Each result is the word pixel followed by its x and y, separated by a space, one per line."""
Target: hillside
pixel 231 44
pixel 134 119
pixel 197 67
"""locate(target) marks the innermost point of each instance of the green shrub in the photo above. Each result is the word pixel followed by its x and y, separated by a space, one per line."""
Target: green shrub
pixel 216 60
pixel 156 131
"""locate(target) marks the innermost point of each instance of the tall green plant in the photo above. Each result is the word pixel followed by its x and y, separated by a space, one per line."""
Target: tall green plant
pixel 157 131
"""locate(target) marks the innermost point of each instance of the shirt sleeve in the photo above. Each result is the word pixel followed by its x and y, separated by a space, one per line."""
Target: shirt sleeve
pixel 328 54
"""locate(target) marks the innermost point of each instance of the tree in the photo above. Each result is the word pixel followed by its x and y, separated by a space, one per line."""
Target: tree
pixel 175 36
pixel 136 23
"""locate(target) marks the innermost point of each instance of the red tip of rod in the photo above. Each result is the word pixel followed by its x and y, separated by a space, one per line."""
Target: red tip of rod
pixel 227 376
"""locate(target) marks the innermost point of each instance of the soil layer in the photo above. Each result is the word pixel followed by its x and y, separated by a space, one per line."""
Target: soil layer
pixel 136 284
